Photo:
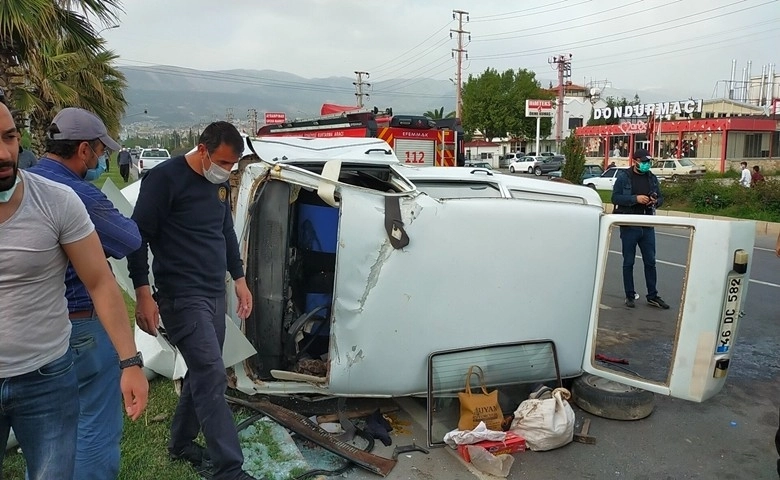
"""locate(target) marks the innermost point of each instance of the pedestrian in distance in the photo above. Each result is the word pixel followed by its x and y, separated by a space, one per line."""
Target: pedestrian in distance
pixel 76 140
pixel 745 177
pixel 124 159
pixel 183 213
pixel 43 227
pixel 756 177
pixel 637 191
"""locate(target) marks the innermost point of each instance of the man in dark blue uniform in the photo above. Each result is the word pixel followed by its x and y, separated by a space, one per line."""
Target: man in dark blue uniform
pixel 637 192
pixel 183 213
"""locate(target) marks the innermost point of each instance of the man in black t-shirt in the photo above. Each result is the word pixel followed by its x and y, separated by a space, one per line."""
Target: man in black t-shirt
pixel 638 192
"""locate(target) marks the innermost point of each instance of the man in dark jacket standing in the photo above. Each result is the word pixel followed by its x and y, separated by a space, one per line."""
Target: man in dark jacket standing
pixel 637 192
pixel 183 213
pixel 124 159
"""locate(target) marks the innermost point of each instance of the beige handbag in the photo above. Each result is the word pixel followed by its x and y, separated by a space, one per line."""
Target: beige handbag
pixel 479 407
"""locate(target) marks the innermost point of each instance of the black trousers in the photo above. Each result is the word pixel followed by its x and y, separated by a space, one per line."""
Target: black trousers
pixel 196 325
pixel 124 171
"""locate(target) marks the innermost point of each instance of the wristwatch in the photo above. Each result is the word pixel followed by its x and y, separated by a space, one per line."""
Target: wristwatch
pixel 136 359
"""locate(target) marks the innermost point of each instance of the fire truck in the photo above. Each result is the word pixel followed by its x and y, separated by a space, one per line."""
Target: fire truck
pixel 416 140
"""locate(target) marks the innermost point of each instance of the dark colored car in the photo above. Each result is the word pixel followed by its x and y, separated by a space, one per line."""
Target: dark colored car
pixel 547 164
pixel 590 170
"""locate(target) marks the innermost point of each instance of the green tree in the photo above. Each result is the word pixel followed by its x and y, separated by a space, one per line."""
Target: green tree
pixel 63 75
pixel 27 25
pixel 438 114
pixel 574 151
pixel 494 104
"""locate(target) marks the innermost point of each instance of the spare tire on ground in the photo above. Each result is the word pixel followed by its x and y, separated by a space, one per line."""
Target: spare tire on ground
pixel 609 399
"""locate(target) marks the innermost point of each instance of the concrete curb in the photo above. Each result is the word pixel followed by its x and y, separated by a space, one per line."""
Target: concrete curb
pixel 762 228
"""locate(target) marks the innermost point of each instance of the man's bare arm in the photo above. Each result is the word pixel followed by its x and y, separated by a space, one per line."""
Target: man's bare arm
pixel 88 260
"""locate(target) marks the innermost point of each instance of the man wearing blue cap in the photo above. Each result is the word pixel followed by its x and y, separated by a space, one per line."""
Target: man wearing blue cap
pixel 638 192
pixel 77 145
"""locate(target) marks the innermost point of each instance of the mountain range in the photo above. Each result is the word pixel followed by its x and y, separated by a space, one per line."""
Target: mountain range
pixel 180 97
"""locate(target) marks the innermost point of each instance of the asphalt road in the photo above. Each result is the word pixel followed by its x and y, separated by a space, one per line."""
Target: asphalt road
pixel 730 436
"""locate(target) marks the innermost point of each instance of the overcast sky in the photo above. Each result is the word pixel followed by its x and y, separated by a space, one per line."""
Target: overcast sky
pixel 680 46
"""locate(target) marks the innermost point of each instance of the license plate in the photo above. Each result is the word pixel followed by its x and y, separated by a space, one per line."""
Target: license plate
pixel 728 322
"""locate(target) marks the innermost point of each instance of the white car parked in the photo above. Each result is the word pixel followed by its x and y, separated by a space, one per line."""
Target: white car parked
pixel 523 164
pixel 604 182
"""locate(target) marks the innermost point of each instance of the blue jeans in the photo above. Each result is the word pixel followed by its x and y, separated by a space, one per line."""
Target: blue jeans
pixel 196 326
pixel 43 409
pixel 644 237
pixel 100 414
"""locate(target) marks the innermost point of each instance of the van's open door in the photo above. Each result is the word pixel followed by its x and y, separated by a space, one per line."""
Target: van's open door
pixel 703 268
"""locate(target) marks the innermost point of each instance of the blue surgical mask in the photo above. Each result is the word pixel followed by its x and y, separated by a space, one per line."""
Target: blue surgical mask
pixel 95 173
pixel 7 194
pixel 644 167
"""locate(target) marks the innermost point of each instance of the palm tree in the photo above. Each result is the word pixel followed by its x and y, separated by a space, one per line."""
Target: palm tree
pixel 63 75
pixel 438 114
pixel 27 26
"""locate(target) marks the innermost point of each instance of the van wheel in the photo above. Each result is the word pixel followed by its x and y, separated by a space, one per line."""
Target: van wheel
pixel 592 186
pixel 674 178
pixel 530 170
pixel 609 399
pixel 538 171
pixel 512 169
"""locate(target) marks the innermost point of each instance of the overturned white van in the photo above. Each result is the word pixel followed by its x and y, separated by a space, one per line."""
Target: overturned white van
pixel 361 277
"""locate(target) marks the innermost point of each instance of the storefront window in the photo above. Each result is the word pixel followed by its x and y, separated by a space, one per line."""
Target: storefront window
pixel 747 145
pixel 619 146
pixel 594 147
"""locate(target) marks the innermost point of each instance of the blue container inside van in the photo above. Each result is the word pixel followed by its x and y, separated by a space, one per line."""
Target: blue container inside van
pixel 318 228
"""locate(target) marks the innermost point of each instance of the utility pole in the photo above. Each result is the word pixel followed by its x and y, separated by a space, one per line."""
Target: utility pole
pixel 359 87
pixel 251 117
pixel 563 65
pixel 461 53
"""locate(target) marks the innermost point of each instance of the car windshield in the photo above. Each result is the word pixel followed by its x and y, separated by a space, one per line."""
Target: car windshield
pixel 686 163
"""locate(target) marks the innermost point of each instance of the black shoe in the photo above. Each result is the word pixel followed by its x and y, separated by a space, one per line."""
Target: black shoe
pixel 195 455
pixel 630 302
pixel 657 302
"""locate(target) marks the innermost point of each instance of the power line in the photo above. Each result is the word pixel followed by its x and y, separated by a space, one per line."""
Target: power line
pixel 525 13
pixel 569 27
pixel 643 33
pixel 403 55
pixel 407 65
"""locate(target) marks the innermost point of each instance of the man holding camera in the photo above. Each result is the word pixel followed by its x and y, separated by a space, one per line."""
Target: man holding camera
pixel 637 192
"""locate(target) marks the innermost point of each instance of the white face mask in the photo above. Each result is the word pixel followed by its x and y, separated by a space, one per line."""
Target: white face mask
pixel 215 174
pixel 6 195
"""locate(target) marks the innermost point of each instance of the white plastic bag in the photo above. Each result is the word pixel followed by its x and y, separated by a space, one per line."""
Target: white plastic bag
pixel 545 424
pixel 486 462
pixel 467 437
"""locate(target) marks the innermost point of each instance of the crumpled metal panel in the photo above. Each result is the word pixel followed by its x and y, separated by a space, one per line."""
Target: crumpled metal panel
pixel 475 273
